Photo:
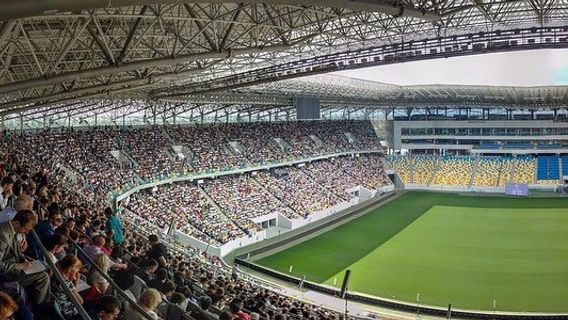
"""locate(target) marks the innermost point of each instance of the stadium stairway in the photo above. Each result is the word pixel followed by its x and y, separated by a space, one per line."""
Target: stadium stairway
pixel 502 169
pixel 411 167
pixel 473 171
pixel 260 185
pixel 317 141
pixel 435 172
pixel 536 171
pixel 513 168
pixel 215 204
pixel 561 170
pixel 322 185
pixel 166 134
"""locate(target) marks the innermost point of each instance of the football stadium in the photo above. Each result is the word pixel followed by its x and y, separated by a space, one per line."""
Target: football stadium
pixel 279 159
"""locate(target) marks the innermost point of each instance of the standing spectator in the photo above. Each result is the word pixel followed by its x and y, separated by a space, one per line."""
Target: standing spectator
pixel 12 261
pixel 158 252
pixel 114 227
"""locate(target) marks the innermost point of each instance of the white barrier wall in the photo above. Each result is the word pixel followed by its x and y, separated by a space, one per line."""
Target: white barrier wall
pixel 209 249
pixel 240 242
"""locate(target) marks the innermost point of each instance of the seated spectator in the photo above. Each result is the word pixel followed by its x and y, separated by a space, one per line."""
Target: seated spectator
pixel 6 194
pixel 146 272
pixel 203 312
pixel 44 229
pixel 96 247
pixel 179 300
pixel 24 202
pixel 8 307
pixel 160 278
pixel 12 261
pixel 55 246
pixel 158 252
pixel 149 301
pixel 71 223
pixel 69 268
pixel 226 315
pixel 236 307
pixel 168 288
pixel 107 308
pixel 95 278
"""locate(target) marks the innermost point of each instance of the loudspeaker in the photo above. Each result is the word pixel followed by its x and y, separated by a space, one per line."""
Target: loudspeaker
pixel 345 284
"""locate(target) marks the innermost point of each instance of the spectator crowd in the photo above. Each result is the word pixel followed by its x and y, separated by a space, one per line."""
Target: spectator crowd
pixel 63 251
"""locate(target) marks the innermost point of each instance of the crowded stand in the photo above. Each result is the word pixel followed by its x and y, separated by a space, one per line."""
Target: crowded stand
pixel 328 175
pixel 150 149
pixel 368 170
pixel 241 198
pixel 454 171
pixel 150 206
pixel 98 254
pixel 209 147
pixel 298 191
pixel 143 154
pixel 181 202
pixel 244 197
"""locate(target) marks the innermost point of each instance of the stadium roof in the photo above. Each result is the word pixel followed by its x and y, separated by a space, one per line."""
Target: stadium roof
pixel 61 53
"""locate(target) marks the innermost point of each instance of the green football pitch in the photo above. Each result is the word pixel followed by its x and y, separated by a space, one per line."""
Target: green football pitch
pixel 464 250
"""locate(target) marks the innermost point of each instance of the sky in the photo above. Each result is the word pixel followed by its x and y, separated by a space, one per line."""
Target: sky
pixel 522 68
